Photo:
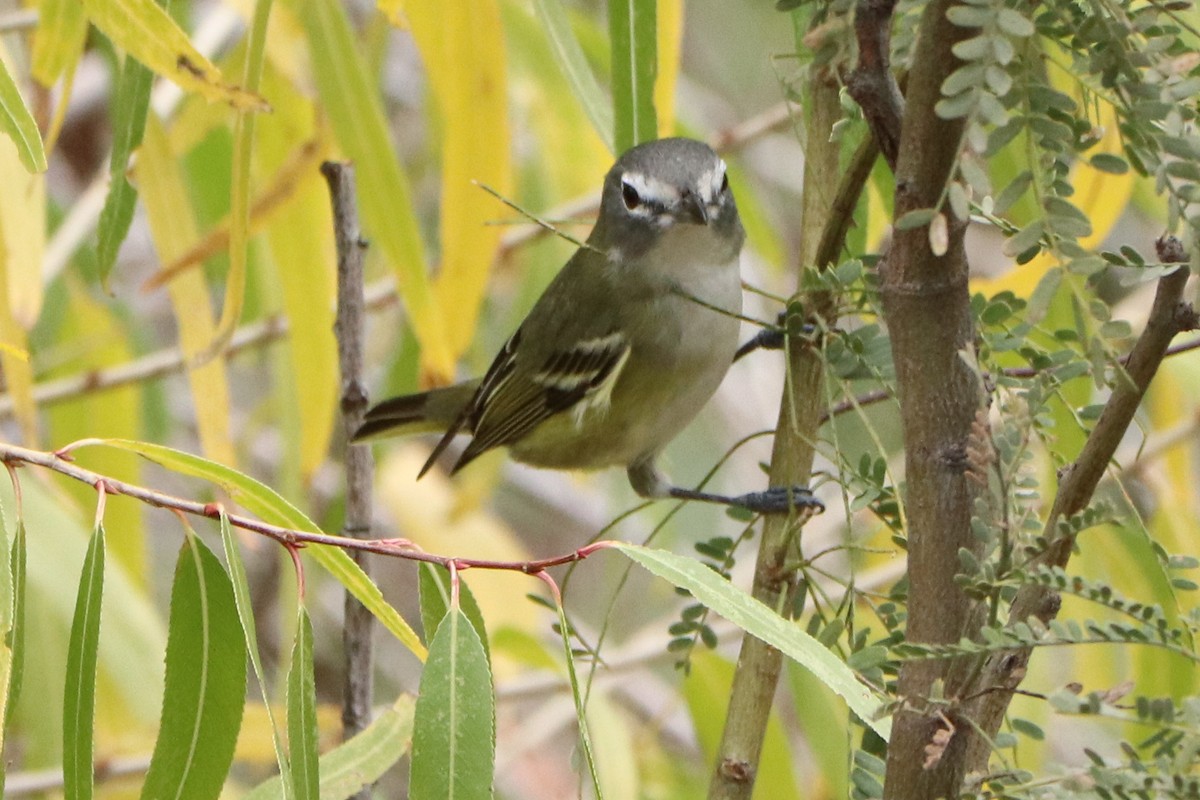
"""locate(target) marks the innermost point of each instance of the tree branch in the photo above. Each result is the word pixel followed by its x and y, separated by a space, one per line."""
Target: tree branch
pixel 1002 672
pixel 359 465
pixel 872 84
pixel 926 304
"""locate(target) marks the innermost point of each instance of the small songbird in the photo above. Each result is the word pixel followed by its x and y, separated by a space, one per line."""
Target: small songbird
pixel 626 344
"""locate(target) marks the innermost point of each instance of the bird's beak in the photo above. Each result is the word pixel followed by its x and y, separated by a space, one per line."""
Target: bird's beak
pixel 692 209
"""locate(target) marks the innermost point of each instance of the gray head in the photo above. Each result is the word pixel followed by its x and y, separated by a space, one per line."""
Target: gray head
pixel 662 185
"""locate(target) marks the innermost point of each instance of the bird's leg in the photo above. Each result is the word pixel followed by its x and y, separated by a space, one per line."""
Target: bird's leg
pixel 771 338
pixel 647 481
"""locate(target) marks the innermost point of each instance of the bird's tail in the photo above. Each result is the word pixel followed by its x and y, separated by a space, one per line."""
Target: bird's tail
pixel 425 412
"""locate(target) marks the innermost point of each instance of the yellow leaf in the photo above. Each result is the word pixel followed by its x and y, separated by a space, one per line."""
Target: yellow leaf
pixel 351 101
pixel 23 211
pixel 300 235
pixel 1101 196
pixel 173 229
pixel 58 39
pixel 670 42
pixel 465 60
pixel 145 31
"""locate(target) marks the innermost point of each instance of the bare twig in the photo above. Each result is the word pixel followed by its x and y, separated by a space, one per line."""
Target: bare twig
pixel 359 465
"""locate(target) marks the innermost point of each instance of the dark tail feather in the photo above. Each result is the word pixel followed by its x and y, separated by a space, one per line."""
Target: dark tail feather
pixel 434 411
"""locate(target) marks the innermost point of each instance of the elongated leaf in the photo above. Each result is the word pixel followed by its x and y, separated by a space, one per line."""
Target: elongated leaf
pixel 577 694
pixel 7 639
pixel 466 62
pixel 454 731
pixel 18 641
pixel 574 66
pixel 758 620
pixel 17 122
pixel 669 22
pixel 632 28
pixel 433 587
pixel 58 39
pixel 353 108
pixel 145 31
pixel 239 201
pixel 206 681
pixel 129 123
pixel 360 761
pixel 79 705
pixel 302 714
pixel 173 228
pixel 241 596
pixel 269 506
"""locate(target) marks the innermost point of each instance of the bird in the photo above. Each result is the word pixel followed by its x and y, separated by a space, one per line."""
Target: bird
pixel 623 348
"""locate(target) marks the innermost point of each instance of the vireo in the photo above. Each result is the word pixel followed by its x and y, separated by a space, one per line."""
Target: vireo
pixel 626 344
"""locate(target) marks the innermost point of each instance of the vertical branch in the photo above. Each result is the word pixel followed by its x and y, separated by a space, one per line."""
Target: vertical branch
pixel 348 328
pixel 800 414
pixel 927 309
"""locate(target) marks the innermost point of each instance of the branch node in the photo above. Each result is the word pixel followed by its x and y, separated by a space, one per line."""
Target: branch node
pixel 737 770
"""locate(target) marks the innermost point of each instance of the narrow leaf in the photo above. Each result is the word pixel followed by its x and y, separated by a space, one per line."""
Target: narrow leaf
pixel 577 694
pixel 302 713
pixel 360 761
pixel 245 609
pixel 463 57
pixel 7 638
pixel 18 640
pixel 353 108
pixel 58 39
pixel 129 123
pixel 17 122
pixel 758 620
pixel 205 684
pixel 239 201
pixel 454 731
pixel 574 66
pixel 173 229
pixel 271 507
pixel 632 26
pixel 79 701
pixel 148 33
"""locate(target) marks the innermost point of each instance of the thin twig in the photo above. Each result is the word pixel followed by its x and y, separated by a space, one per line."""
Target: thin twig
pixel 14 455
pixel 359 464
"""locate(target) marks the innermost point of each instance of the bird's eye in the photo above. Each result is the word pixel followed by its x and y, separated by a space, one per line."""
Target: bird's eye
pixel 630 196
pixel 724 183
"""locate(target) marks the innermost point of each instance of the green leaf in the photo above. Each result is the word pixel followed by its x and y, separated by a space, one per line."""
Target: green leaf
pixel 302 713
pixel 574 66
pixel 7 640
pixel 433 588
pixel 454 731
pixel 79 702
pixel 273 508
pixel 129 123
pixel 632 26
pixel 205 687
pixel 758 620
pixel 915 218
pixel 149 34
pixel 577 694
pixel 361 761
pixel 18 640
pixel 245 609
pixel 1112 164
pixel 17 122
